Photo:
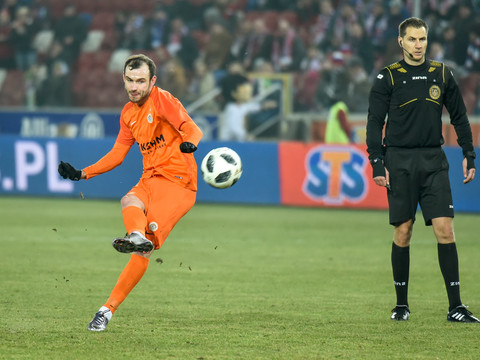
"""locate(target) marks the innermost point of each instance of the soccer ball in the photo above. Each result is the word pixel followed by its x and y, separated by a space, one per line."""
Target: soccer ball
pixel 221 168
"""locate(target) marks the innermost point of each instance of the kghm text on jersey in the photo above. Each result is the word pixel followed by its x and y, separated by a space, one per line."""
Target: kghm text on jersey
pixel 159 141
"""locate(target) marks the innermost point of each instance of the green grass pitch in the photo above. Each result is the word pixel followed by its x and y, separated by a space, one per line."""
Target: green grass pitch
pixel 231 282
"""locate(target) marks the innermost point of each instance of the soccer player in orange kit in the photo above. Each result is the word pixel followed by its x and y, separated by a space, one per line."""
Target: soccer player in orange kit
pixel 167 137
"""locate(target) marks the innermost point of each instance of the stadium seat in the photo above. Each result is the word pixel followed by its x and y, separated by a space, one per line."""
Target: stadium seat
pixel 93 41
pixel 117 60
pixel 104 20
pixel 43 40
pixel 110 40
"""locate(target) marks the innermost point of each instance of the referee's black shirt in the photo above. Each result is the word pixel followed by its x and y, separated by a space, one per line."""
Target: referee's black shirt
pixel 413 98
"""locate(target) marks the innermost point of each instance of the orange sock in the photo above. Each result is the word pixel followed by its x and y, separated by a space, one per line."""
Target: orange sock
pixel 130 276
pixel 134 219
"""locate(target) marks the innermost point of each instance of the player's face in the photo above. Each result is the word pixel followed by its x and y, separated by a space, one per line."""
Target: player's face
pixel 415 45
pixel 138 84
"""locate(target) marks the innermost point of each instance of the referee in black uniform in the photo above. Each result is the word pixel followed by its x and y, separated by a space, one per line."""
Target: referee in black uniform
pixel 410 161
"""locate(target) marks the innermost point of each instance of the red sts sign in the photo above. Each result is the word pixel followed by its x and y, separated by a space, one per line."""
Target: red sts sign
pixel 328 175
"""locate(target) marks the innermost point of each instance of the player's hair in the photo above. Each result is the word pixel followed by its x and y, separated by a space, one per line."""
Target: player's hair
pixel 135 61
pixel 415 22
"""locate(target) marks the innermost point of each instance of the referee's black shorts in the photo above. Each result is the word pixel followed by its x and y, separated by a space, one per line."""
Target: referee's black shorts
pixel 418 176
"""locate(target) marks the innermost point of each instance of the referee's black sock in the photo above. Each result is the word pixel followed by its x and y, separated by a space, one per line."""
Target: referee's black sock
pixel 401 270
pixel 448 260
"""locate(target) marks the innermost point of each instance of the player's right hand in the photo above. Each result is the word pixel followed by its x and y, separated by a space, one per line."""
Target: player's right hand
pixel 67 171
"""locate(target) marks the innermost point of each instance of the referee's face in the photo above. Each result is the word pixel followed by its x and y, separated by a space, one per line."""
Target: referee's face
pixel 414 45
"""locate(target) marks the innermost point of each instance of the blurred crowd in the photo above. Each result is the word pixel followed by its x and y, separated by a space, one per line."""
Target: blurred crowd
pixel 332 48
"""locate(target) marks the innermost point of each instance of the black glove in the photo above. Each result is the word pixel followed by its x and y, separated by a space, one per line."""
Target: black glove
pixel 67 171
pixel 378 168
pixel 187 147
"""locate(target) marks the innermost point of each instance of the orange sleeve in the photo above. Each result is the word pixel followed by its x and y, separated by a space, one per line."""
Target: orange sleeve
pixel 110 161
pixel 125 135
pixel 191 132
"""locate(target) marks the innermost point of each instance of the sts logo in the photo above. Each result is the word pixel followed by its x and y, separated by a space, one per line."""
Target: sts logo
pixel 335 174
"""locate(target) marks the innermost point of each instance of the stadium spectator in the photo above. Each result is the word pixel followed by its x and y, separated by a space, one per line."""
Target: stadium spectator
pixel 436 51
pixel 70 31
pixel 340 26
pixel 306 10
pixel 56 89
pixel 167 189
pixel 120 21
pixel 233 123
pixel 10 7
pixel 357 86
pixel 135 32
pixel 448 43
pixel 241 34
pixel 41 13
pixel 319 31
pixel 332 76
pixel 157 26
pixel 375 24
pixel 396 12
pixel 472 61
pixel 173 78
pixel 181 44
pixel 7 57
pixel 462 22
pixel 313 60
pixel 288 49
pixel 21 37
pixel 218 46
pixel 202 83
pixel 258 45
pixel 359 45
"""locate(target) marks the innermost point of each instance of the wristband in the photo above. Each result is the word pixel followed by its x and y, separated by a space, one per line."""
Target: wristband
pixel 378 168
pixel 470 162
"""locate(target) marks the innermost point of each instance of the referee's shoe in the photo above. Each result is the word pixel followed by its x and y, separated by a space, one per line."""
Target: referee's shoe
pixel 461 314
pixel 400 313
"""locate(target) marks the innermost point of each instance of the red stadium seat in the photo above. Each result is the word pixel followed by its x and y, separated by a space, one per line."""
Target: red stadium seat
pixel 13 94
pixel 104 20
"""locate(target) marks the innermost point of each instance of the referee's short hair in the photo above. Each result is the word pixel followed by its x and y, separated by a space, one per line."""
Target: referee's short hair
pixel 415 22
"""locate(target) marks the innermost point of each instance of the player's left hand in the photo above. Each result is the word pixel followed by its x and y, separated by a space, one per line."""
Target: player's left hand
pixel 187 147
pixel 468 165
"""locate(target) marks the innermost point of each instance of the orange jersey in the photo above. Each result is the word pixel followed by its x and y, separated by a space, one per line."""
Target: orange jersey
pixel 159 126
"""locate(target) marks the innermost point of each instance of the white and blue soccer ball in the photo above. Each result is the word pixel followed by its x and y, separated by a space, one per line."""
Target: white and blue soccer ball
pixel 221 168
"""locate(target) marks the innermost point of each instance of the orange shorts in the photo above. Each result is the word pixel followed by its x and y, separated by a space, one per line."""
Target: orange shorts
pixel 165 204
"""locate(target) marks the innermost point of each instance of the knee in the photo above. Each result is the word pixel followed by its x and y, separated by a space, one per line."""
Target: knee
pixel 402 235
pixel 131 200
pixel 444 234
pixel 125 201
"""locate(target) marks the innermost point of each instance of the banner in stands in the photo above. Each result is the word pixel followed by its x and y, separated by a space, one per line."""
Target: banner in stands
pixel 340 176
pixel 28 166
pixel 328 175
pixel 71 124
pixel 81 124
